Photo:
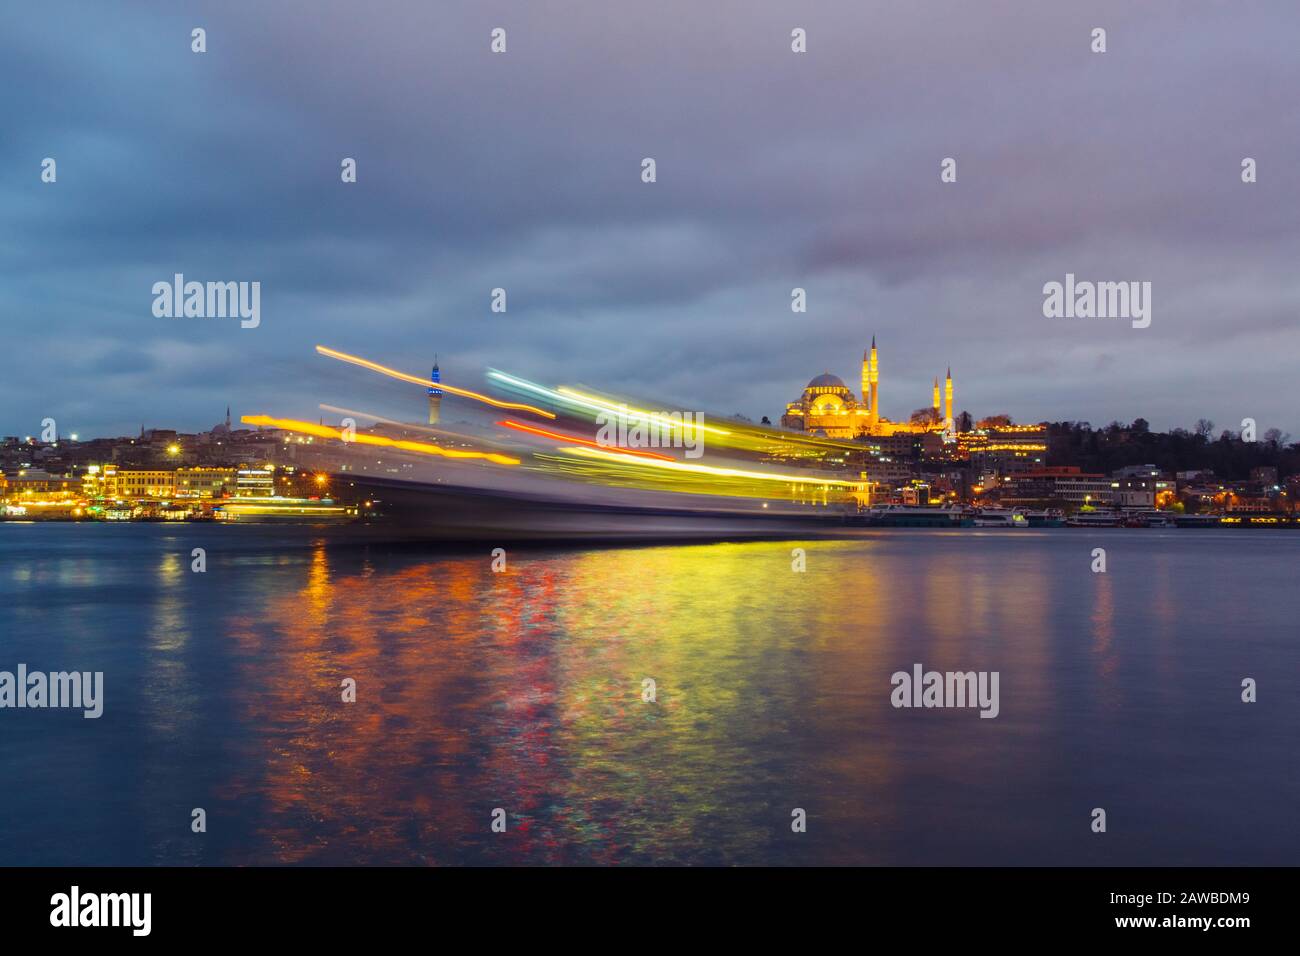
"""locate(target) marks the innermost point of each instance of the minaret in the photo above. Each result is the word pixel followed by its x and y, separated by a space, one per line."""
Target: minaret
pixel 947 392
pixel 435 394
pixel 227 418
pixel 874 374
pixel 866 382
pixel 936 399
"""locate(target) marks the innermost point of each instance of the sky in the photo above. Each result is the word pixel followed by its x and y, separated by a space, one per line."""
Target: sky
pixel 775 170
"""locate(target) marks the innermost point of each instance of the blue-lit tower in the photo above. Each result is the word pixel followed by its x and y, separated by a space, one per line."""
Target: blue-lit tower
pixel 435 394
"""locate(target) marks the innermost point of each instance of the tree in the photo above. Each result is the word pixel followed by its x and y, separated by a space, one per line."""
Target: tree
pixel 1204 428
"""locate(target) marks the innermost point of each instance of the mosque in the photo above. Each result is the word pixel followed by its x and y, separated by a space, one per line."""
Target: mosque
pixel 828 407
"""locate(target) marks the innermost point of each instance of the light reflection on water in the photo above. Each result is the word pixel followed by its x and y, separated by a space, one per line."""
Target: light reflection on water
pixel 522 690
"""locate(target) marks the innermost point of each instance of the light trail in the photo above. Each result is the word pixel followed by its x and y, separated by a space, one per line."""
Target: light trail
pixel 712 469
pixel 559 436
pixel 428 383
pixel 423 448
pixel 658 419
pixel 575 399
pixel 743 437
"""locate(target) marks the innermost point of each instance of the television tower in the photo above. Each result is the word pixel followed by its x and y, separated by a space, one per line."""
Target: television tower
pixel 435 394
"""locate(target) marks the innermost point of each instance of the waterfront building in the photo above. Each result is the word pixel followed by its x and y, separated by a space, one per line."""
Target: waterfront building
pixel 1134 492
pixel 255 483
pixel 1004 449
pixel 1235 502
pixel 34 483
pixel 1066 484
pixel 204 482
pixel 888 472
pixel 138 482
pixel 1140 486
pixel 92 482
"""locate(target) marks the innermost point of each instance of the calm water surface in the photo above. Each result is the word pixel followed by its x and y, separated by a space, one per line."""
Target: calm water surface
pixel 522 690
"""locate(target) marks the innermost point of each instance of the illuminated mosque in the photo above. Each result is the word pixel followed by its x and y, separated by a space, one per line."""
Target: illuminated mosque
pixel 828 407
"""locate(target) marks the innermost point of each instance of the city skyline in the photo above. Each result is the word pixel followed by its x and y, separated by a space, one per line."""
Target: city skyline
pixel 480 433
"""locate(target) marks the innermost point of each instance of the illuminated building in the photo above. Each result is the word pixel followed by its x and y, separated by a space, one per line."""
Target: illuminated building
pixel 435 394
pixel 138 483
pixel 1066 484
pixel 204 482
pixel 829 408
pixel 1003 449
pixel 92 482
pixel 39 485
pixel 255 483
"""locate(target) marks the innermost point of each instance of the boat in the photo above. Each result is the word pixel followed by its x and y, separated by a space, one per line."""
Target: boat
pixel 1000 518
pixel 555 512
pixel 1049 518
pixel 913 516
pixel 1094 519
pixel 1150 519
pixel 1198 521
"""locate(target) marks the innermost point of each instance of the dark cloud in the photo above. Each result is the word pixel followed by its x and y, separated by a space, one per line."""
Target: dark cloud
pixel 775 170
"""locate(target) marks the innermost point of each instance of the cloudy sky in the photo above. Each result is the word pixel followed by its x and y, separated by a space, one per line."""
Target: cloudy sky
pixel 775 170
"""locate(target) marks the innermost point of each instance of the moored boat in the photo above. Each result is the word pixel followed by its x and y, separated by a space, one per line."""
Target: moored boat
pixel 1049 518
pixel 913 516
pixel 1000 518
pixel 1094 519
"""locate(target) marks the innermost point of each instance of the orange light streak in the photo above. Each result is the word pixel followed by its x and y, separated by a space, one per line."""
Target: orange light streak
pixel 324 431
pixel 521 427
pixel 416 380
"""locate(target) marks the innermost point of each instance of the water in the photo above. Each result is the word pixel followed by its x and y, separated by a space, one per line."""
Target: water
pixel 522 691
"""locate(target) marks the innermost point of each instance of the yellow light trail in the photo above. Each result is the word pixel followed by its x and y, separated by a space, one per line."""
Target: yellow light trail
pixel 744 437
pixel 635 412
pixel 707 469
pixel 324 431
pixel 428 383
pixel 558 436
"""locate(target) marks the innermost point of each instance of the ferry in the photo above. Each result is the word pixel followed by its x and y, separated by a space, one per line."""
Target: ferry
pixel 1049 518
pixel 1094 519
pixel 913 516
pixel 1149 519
pixel 1198 521
pixel 1000 518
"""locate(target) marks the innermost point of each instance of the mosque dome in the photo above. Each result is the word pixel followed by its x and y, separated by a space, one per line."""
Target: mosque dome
pixel 827 380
